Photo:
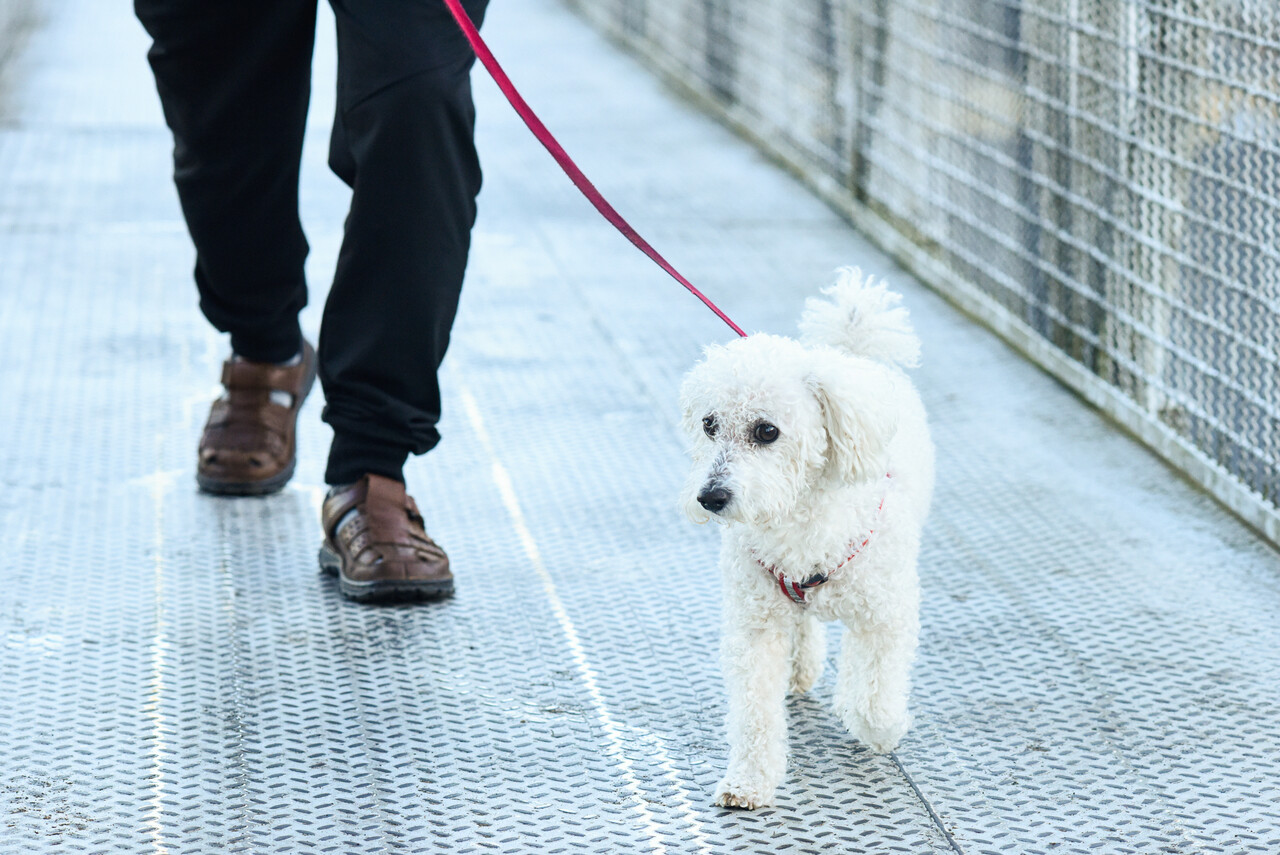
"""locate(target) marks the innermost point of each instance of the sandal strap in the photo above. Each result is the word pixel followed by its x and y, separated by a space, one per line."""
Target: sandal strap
pixel 238 375
pixel 238 425
pixel 337 505
pixel 251 414
pixel 386 506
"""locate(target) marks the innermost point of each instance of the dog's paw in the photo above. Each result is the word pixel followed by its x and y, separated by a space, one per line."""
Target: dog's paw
pixel 880 736
pixel 737 794
pixel 882 740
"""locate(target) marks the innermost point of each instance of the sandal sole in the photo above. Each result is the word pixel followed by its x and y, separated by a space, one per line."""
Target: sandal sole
pixel 382 591
pixel 265 487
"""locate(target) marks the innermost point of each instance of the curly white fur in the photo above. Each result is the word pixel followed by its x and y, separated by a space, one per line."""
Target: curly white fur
pixel 845 416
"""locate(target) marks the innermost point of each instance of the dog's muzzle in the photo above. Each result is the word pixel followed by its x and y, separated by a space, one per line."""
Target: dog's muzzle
pixel 714 497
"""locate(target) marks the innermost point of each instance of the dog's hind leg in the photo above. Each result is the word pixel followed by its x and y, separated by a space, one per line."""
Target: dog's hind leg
pixel 808 650
pixel 756 659
pixel 873 682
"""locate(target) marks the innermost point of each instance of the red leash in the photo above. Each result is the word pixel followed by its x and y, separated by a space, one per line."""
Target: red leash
pixel 566 163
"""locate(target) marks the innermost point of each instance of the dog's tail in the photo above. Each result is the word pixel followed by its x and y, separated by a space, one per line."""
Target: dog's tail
pixel 862 318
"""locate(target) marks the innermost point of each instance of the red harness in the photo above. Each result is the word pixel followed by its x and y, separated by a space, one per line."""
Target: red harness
pixel 797 589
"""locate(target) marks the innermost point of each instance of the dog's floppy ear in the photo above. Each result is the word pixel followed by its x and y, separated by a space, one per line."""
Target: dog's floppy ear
pixel 859 401
pixel 695 399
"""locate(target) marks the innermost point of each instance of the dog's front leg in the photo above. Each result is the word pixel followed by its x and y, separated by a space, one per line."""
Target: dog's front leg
pixel 873 682
pixel 808 652
pixel 755 656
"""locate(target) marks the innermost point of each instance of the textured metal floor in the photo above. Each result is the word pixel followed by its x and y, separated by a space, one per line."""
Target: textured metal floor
pixel 1099 661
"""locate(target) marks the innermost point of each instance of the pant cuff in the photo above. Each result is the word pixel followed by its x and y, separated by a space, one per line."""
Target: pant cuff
pixel 279 345
pixel 351 457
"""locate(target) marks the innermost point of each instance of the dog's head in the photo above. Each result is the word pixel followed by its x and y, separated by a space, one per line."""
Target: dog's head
pixel 770 422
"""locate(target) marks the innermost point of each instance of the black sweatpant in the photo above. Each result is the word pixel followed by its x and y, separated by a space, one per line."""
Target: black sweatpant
pixel 234 78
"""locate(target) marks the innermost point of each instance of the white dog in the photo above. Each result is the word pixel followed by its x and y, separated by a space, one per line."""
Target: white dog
pixel 816 453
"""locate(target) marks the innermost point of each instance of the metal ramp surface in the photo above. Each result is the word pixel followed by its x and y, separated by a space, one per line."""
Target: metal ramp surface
pixel 1100 645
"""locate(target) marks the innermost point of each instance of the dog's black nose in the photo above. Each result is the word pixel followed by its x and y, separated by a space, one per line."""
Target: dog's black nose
pixel 714 498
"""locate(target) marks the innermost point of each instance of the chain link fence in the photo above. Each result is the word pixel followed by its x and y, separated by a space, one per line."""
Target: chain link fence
pixel 1098 180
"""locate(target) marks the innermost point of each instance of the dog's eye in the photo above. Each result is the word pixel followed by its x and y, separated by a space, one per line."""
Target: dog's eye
pixel 765 433
pixel 709 425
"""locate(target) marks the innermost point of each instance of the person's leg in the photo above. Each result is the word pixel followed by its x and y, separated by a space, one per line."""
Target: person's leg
pixel 403 140
pixel 234 81
pixel 234 78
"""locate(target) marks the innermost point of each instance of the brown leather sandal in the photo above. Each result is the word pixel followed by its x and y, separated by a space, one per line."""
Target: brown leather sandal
pixel 249 443
pixel 376 545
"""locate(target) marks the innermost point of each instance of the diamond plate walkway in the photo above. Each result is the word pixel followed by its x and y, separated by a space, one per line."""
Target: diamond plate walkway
pixel 1101 645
